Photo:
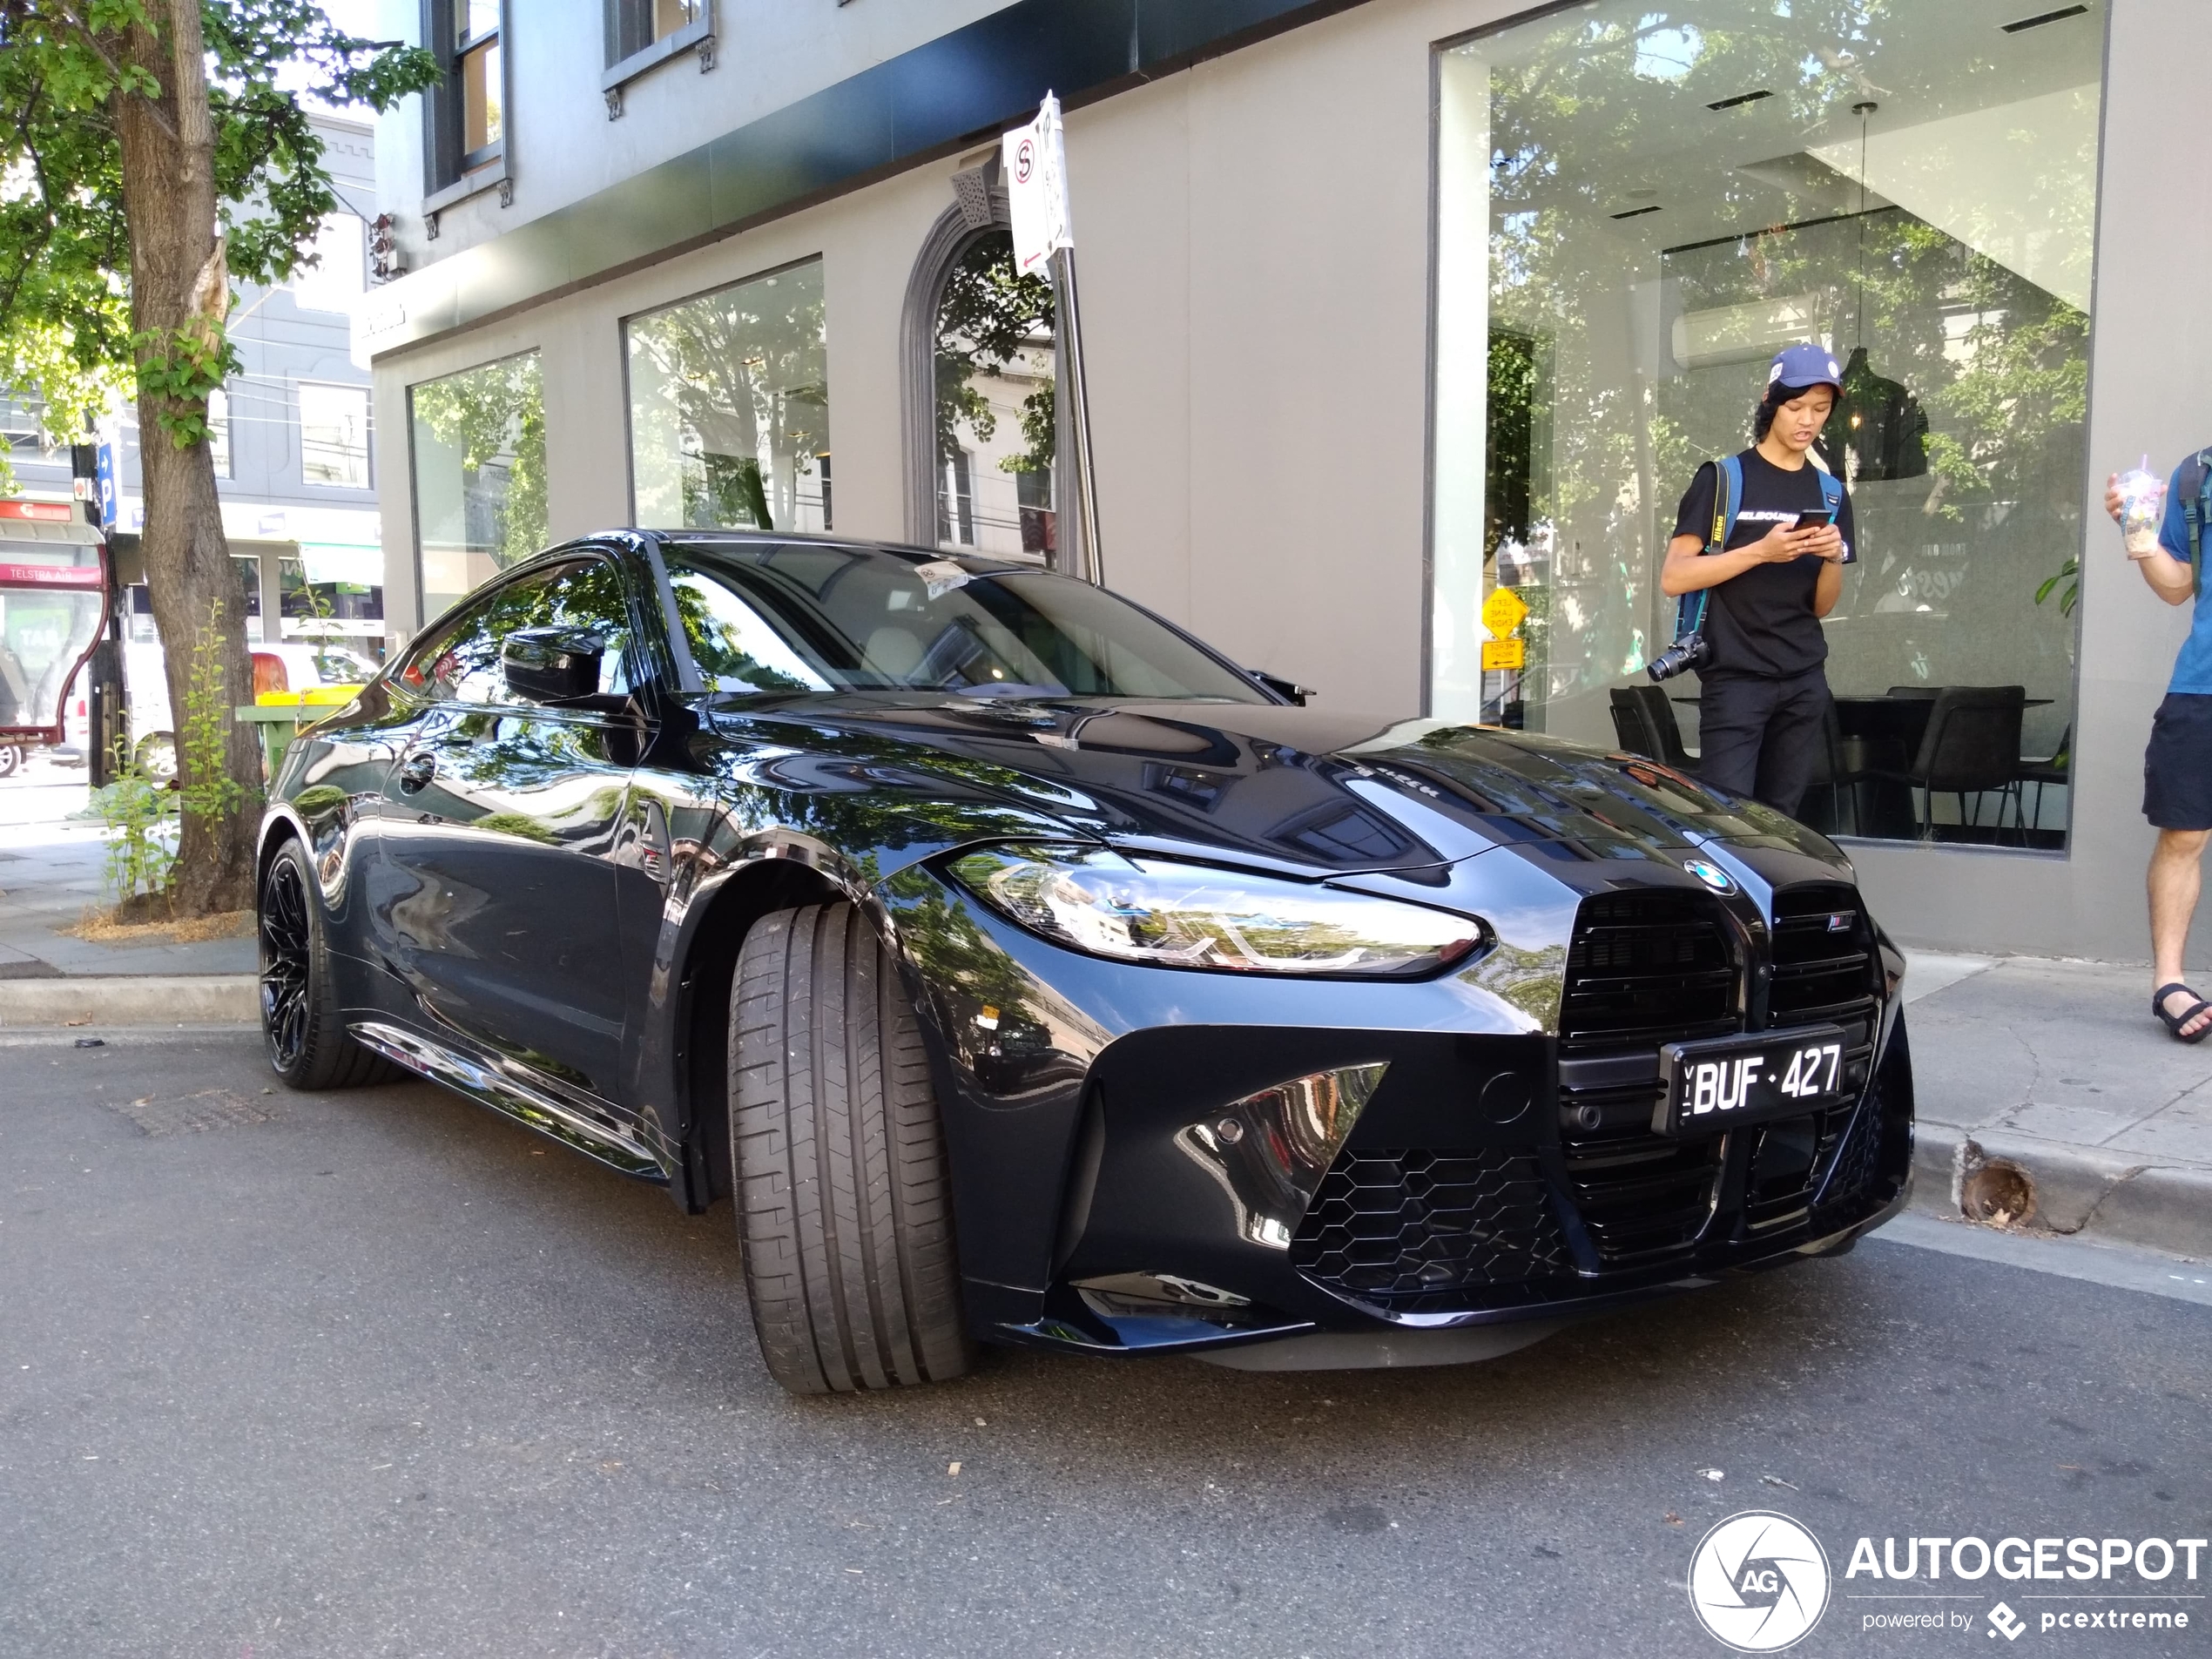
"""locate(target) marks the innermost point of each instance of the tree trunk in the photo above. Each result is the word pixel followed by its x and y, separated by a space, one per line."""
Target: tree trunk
pixel 178 282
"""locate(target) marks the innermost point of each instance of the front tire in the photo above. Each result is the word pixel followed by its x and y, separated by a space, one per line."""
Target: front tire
pixel 306 1041
pixel 843 1197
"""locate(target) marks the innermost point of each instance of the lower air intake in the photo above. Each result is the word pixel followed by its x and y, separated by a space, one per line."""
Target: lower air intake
pixel 1414 1230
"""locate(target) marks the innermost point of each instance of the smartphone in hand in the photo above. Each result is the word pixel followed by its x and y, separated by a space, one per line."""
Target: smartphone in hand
pixel 1816 520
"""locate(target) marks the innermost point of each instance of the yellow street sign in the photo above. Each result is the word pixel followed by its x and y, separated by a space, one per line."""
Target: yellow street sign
pixel 1504 653
pixel 1503 611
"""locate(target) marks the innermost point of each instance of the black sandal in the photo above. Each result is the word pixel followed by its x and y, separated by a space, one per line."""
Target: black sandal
pixel 2176 1022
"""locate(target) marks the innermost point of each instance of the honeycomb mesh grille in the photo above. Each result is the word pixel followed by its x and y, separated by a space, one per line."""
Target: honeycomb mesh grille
pixel 1414 1230
pixel 1858 1160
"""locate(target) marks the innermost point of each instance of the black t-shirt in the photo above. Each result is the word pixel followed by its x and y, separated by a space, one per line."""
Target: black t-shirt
pixel 1761 622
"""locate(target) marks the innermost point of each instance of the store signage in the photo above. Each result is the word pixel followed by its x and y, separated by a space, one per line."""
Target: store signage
pixel 50 575
pixel 1504 655
pixel 1035 160
pixel 43 512
pixel 1502 612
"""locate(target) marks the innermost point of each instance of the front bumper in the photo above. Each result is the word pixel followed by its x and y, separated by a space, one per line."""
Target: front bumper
pixel 1432 1217
pixel 1485 1181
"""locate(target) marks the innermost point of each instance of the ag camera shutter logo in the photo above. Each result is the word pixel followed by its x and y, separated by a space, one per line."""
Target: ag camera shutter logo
pixel 1758 1581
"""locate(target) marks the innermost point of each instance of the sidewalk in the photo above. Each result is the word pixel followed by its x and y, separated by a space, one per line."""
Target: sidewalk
pixel 2060 1068
pixel 50 876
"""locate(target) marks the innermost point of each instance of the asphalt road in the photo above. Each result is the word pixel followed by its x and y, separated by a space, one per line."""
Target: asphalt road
pixel 381 1373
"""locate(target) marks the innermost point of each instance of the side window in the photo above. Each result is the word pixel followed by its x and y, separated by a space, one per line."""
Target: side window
pixel 733 644
pixel 436 667
pixel 463 665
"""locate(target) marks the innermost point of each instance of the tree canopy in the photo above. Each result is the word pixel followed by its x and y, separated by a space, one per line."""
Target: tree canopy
pixel 66 331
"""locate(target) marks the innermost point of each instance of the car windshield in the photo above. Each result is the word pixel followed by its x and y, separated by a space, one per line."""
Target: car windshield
pixel 805 617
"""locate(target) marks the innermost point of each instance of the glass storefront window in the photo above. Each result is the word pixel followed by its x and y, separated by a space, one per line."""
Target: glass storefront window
pixel 729 408
pixel 996 411
pixel 479 460
pixel 1639 205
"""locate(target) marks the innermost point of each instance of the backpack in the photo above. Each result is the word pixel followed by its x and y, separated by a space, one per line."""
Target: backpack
pixel 1728 501
pixel 2195 484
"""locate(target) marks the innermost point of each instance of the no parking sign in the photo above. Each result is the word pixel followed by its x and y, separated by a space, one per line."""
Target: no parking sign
pixel 1035 160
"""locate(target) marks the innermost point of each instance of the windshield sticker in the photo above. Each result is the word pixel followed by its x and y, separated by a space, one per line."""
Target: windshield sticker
pixel 942 575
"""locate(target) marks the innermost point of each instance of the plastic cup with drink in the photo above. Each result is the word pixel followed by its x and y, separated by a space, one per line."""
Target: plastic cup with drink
pixel 2142 507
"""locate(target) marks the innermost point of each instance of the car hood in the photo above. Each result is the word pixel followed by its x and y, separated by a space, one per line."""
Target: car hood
pixel 1301 790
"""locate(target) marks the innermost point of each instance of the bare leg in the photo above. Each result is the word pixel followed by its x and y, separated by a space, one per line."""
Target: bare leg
pixel 2175 880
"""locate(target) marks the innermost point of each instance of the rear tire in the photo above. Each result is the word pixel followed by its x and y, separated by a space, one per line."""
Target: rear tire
pixel 11 759
pixel 300 1025
pixel 843 1199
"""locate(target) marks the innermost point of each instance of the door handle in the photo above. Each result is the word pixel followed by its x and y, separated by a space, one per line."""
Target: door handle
pixel 416 771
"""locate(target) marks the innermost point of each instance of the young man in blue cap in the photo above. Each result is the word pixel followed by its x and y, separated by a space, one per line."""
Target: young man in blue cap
pixel 2177 766
pixel 1763 697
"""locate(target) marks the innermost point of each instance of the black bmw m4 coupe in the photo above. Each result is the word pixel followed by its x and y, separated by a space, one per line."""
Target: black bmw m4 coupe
pixel 1021 970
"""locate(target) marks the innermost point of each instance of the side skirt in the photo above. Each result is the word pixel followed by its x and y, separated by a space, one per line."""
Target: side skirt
pixel 603 1142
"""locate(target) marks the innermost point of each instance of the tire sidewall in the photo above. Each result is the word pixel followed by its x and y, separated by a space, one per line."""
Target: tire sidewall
pixel 318 976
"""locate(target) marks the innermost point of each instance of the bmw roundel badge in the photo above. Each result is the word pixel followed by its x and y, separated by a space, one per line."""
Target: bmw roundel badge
pixel 1711 874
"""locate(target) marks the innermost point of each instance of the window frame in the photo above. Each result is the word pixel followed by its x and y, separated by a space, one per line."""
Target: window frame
pixel 947 242
pixel 414 389
pixel 368 436
pixel 629 396
pixel 451 174
pixel 697 36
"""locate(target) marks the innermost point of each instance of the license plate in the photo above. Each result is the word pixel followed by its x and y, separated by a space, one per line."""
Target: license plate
pixel 1715 1085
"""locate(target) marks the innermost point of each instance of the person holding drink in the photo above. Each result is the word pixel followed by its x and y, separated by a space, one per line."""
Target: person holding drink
pixel 1764 536
pixel 2164 526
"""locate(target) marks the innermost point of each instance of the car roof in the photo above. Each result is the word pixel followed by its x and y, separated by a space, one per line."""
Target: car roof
pixel 710 540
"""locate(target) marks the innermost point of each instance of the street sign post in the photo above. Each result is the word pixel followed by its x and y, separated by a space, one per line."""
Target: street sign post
pixel 1033 159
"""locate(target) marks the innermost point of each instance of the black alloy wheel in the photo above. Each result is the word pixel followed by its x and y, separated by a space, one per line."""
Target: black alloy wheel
pixel 844 1200
pixel 306 1041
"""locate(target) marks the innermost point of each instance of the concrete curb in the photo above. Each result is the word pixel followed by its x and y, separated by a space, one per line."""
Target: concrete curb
pixel 198 999
pixel 2081 1191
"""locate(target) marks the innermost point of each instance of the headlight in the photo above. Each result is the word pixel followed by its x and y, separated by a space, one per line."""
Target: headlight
pixel 1186 915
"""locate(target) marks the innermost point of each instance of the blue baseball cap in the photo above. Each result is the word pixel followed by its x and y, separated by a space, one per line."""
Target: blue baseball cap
pixel 1797 367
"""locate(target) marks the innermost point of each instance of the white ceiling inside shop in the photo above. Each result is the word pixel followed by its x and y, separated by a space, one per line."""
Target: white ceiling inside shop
pixel 1988 135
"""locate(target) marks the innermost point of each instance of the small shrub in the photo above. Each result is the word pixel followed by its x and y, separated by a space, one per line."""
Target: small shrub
pixel 141 832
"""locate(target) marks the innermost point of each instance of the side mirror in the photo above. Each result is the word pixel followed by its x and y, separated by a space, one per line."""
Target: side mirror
pixel 552 665
pixel 1282 687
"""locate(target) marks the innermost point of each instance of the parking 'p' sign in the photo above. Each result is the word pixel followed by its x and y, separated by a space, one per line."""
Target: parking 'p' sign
pixel 1035 159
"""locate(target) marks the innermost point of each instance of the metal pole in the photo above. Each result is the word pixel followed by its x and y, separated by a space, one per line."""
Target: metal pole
pixel 1092 567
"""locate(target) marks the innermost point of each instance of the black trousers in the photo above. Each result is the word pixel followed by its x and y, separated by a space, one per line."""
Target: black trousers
pixel 1763 737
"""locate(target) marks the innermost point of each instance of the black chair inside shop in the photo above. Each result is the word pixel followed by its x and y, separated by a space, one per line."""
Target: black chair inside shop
pixel 1922 691
pixel 2056 768
pixel 1643 721
pixel 1841 766
pixel 1972 747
